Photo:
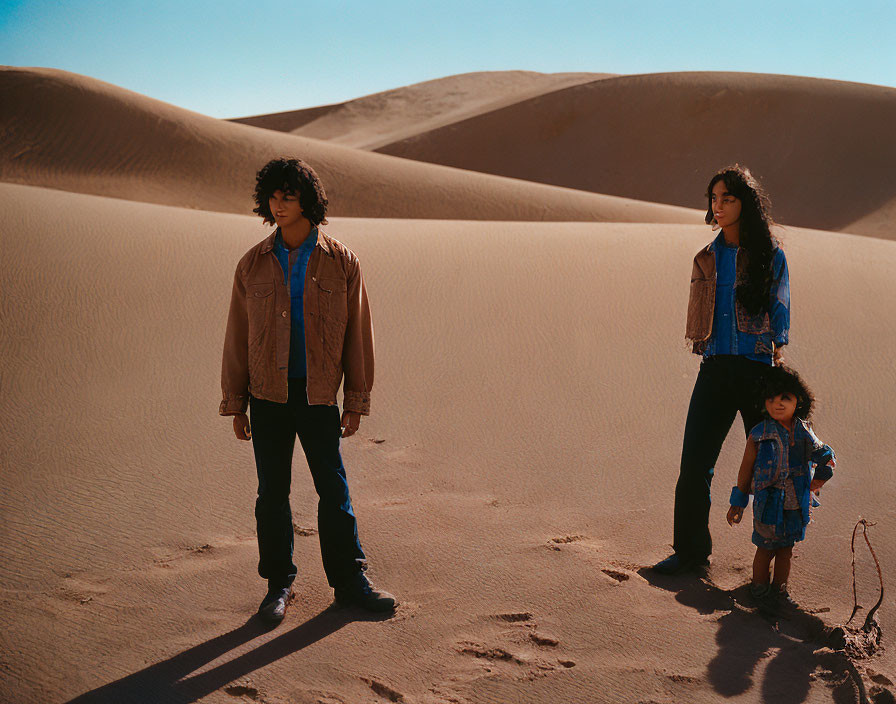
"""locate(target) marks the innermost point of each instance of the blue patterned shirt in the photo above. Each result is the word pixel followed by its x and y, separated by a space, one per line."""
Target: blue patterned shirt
pixel 294 263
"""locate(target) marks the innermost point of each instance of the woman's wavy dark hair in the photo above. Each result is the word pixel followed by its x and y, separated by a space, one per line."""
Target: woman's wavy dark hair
pixel 781 379
pixel 755 234
pixel 295 177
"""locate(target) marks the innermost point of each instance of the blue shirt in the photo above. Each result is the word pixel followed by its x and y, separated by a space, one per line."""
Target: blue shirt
pixel 294 263
pixel 724 321
pixel 734 331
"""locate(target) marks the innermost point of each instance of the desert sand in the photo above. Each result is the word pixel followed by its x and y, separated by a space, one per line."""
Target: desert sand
pixel 79 134
pixel 383 118
pixel 824 149
pixel 512 483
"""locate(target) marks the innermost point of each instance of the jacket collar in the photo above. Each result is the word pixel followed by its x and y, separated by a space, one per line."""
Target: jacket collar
pixel 717 243
pixel 268 243
pixel 772 429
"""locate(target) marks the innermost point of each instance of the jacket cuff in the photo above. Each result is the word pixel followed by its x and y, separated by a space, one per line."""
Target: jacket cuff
pixel 739 498
pixel 824 473
pixel 357 402
pixel 232 405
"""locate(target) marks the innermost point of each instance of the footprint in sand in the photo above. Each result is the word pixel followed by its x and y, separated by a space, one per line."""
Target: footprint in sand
pixel 510 647
pixel 544 640
pixel 81 588
pixel 243 691
pixel 383 690
pixel 514 644
pixel 616 574
pixel 555 543
pixel 514 616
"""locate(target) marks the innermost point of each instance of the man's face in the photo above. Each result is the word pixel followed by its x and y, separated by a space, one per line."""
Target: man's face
pixel 285 208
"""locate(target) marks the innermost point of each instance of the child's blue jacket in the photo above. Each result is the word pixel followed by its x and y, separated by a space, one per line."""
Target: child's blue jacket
pixel 782 474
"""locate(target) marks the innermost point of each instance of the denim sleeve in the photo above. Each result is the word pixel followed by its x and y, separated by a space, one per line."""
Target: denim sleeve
pixel 825 461
pixel 780 299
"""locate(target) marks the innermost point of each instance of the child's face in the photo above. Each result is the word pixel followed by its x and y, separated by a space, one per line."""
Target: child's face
pixel 781 407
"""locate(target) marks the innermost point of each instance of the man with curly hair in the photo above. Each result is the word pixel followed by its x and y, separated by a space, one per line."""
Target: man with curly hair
pixel 299 323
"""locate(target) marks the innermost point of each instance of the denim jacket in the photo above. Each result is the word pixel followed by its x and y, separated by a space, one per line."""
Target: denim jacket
pixel 779 484
pixel 756 334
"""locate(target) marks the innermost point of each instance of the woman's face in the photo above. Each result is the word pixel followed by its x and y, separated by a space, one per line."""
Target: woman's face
pixel 725 207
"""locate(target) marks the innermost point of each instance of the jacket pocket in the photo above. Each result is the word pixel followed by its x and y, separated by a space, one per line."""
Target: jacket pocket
pixel 332 301
pixel 749 323
pixel 700 307
pixel 259 304
pixel 765 466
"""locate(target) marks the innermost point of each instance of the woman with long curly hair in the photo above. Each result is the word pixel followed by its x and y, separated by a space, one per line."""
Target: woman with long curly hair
pixel 738 319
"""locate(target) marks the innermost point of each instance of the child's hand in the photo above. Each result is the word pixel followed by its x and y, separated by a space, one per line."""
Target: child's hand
pixel 735 513
pixel 816 485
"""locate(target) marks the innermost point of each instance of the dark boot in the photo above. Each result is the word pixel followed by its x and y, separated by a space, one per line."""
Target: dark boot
pixel 677 564
pixel 784 603
pixel 358 591
pixel 760 594
pixel 273 606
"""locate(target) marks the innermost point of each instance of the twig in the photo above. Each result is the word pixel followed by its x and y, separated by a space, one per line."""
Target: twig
pixel 869 618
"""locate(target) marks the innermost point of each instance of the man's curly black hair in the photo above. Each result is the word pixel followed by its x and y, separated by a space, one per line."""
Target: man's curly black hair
pixel 781 379
pixel 291 176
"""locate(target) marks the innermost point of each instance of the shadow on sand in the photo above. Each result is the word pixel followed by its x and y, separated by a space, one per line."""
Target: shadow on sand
pixel 797 645
pixel 170 681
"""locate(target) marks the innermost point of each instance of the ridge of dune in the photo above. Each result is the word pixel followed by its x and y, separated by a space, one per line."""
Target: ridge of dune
pixel 375 120
pixel 824 149
pixel 75 133
pixel 515 539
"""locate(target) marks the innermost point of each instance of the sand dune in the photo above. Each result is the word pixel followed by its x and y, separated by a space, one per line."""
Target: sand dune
pixel 527 441
pixel 70 132
pixel 824 149
pixel 382 118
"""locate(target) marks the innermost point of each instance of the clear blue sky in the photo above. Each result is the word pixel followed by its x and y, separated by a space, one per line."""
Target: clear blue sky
pixel 229 58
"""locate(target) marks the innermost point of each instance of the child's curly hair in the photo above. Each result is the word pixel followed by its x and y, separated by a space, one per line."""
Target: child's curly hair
pixel 781 379
pixel 292 176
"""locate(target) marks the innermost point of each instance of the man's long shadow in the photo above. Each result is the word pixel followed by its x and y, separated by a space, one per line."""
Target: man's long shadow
pixel 169 681
pixel 745 638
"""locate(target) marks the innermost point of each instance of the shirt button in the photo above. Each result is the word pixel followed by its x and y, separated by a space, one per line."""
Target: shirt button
pixel 283 314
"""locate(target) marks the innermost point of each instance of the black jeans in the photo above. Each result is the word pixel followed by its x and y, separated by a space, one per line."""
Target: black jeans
pixel 725 385
pixel 274 430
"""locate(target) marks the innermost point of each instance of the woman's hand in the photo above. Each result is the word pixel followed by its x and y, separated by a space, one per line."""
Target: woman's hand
pixel 241 427
pixel 815 486
pixel 735 514
pixel 778 356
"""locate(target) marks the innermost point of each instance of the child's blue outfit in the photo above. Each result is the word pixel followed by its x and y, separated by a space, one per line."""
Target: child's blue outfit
pixel 782 474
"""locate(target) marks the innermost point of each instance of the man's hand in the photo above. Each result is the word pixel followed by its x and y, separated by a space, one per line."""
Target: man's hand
pixel 735 513
pixel 241 427
pixel 350 422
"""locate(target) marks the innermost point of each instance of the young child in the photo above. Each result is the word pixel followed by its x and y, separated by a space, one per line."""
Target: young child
pixel 784 465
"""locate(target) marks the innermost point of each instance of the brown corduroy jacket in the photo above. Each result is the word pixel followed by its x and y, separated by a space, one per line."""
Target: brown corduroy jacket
pixel 338 329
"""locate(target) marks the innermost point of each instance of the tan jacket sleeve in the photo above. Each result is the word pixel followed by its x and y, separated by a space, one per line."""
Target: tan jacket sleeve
pixel 235 364
pixel 357 350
